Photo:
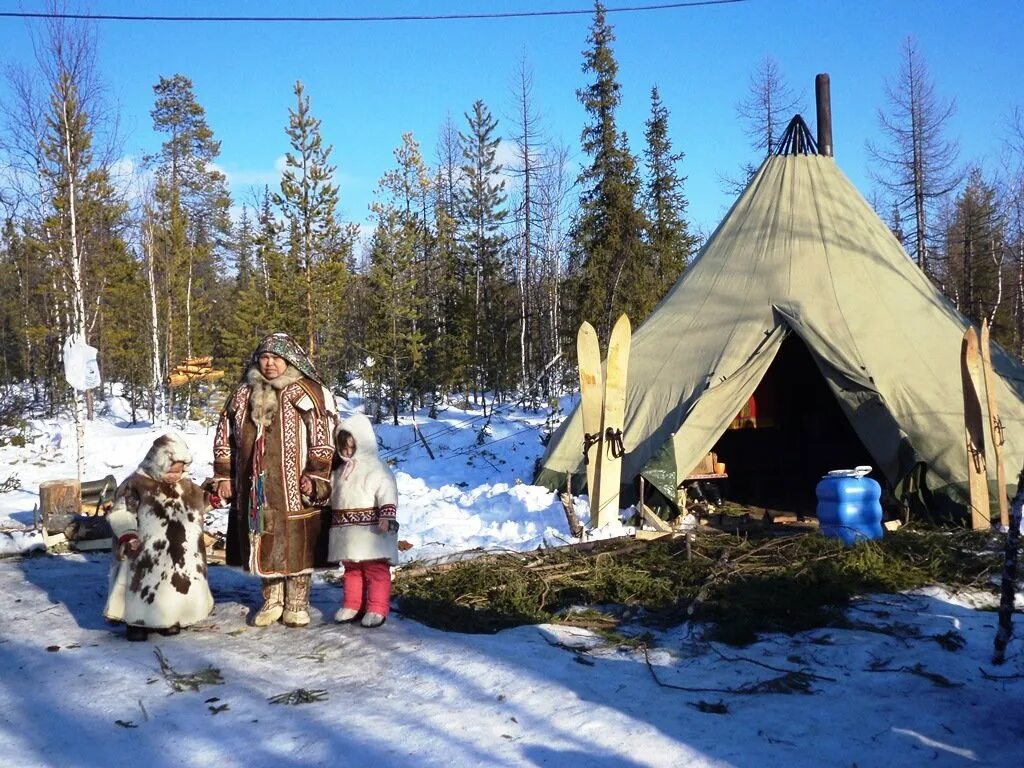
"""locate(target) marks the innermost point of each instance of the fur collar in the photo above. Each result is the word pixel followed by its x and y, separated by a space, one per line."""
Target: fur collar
pixel 263 402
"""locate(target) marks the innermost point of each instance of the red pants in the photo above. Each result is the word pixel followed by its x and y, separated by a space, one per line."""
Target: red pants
pixel 368 586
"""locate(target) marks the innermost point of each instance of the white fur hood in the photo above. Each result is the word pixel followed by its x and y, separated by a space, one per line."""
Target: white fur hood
pixel 165 451
pixel 370 483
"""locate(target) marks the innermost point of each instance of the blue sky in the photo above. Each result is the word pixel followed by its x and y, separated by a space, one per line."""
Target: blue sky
pixel 370 82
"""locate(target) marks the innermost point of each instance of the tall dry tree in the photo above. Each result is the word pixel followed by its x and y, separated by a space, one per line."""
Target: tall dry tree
pixel 764 113
pixel 917 164
pixel 527 165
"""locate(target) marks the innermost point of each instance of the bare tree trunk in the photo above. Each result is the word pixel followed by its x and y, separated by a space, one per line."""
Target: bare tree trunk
pixel 156 395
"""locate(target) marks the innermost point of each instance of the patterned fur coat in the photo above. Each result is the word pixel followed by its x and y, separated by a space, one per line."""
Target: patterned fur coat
pixel 296 417
pixel 165 582
pixel 363 492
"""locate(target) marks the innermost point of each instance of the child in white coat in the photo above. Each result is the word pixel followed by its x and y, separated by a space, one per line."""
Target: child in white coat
pixel 158 578
pixel 364 532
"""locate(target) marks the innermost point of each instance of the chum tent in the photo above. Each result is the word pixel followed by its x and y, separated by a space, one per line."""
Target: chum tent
pixel 802 304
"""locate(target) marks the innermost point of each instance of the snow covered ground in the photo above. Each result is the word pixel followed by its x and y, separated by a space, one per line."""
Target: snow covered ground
pixel 74 693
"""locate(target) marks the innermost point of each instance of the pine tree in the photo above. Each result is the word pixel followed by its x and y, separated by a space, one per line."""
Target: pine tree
pixel 393 339
pixel 480 214
pixel 245 318
pixel 976 249
pixel 607 236
pixel 1013 204
pixel 668 233
pixel 189 220
pixel 308 200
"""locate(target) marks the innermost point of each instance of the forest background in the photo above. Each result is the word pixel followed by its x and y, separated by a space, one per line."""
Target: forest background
pixel 477 262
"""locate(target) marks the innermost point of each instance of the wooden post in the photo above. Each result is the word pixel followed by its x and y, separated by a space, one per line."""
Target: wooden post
pixel 59 502
pixel 575 526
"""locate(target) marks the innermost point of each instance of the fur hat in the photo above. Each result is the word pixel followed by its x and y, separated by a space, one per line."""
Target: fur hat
pixel 165 451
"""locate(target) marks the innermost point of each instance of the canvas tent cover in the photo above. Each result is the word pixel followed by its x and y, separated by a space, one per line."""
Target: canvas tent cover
pixel 800 252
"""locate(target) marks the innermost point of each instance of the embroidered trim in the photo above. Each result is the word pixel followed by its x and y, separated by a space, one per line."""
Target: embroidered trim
pixel 365 516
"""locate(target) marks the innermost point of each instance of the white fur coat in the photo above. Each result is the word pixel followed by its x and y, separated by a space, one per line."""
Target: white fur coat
pixel 164 583
pixel 361 496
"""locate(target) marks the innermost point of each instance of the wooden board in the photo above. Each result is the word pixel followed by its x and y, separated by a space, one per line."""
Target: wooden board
pixel 974 431
pixel 652 535
pixel 588 356
pixel 653 520
pixel 613 423
pixel 995 425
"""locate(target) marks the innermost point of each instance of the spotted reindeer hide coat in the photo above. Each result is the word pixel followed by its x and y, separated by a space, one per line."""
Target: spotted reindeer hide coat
pixel 164 583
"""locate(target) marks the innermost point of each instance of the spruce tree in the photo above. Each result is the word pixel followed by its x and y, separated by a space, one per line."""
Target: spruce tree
pixel 607 236
pixel 668 232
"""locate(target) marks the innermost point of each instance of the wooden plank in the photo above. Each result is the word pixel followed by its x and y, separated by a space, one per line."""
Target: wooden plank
pixel 653 520
pixel 995 425
pixel 613 423
pixel 652 535
pixel 974 431
pixel 588 357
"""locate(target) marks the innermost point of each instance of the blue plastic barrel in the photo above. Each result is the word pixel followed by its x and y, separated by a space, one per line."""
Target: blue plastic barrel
pixel 849 506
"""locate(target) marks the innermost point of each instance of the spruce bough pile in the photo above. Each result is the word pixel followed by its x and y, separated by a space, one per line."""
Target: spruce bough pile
pixel 738 586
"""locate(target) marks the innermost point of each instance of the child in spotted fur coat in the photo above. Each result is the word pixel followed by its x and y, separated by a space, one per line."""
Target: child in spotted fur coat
pixel 158 577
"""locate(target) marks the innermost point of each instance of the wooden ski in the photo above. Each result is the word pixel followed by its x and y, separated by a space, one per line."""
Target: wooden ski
pixel 974 431
pixel 606 507
pixel 995 425
pixel 588 356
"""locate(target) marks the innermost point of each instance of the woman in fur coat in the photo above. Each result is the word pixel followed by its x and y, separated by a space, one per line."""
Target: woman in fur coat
pixel 364 532
pixel 158 578
pixel 272 458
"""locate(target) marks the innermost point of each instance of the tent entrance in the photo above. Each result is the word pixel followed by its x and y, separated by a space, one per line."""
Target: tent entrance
pixel 791 432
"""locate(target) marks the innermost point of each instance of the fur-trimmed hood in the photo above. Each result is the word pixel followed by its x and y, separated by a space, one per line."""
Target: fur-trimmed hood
pixel 165 451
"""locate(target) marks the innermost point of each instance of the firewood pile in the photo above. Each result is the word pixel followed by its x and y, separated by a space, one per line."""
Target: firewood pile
pixel 194 369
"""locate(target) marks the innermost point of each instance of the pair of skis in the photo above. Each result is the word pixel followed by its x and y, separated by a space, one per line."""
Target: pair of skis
pixel 975 363
pixel 603 408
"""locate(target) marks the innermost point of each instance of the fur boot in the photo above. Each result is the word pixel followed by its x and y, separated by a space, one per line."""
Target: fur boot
pixel 273 603
pixel 296 601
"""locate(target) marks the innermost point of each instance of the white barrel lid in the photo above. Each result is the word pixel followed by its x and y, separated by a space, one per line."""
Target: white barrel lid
pixel 858 472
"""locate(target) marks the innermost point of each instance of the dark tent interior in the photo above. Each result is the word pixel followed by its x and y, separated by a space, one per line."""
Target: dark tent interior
pixel 787 437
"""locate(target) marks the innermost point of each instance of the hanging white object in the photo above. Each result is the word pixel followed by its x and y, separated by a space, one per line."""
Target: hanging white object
pixel 81 368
